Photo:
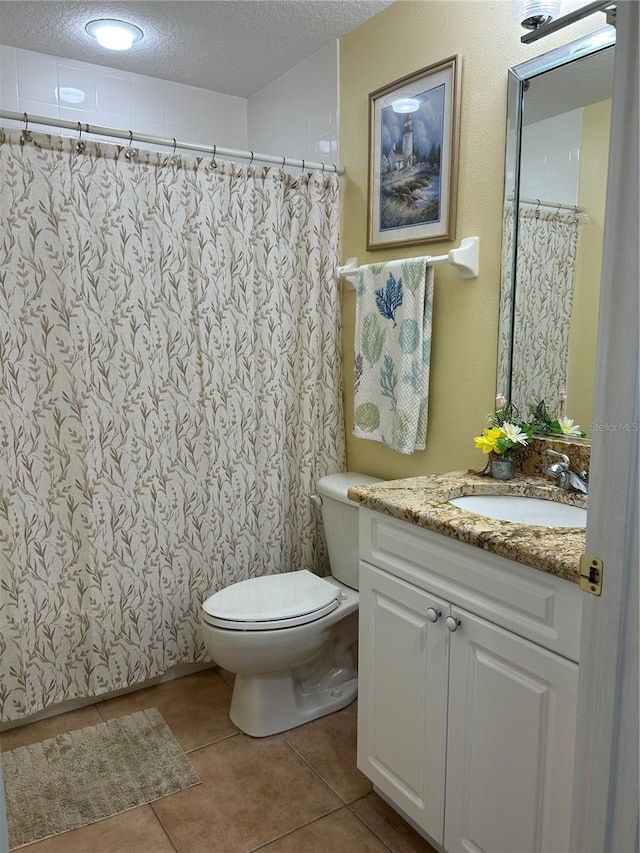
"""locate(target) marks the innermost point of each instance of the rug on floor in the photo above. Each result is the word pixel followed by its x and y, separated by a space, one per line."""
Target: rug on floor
pixel 83 776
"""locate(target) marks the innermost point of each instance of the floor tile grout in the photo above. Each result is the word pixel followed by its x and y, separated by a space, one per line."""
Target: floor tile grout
pixel 296 829
pixel 313 770
pixel 210 742
pixel 347 805
pixel 164 828
pixel 365 824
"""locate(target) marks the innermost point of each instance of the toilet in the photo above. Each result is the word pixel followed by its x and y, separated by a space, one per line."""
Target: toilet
pixel 291 638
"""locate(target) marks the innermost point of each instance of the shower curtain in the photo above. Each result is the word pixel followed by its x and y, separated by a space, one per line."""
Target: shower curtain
pixel 170 395
pixel 542 303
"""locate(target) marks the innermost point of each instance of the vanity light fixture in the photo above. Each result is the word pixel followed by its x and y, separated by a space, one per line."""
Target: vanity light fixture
pixel 405 105
pixel 113 34
pixel 540 28
pixel 532 14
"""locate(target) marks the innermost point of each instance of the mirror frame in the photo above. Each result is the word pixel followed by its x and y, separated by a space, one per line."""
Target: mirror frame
pixel 517 84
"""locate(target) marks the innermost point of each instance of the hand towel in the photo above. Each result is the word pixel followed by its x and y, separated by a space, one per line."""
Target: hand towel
pixel 394 308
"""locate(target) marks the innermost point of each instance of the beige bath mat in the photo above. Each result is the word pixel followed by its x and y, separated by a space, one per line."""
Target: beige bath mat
pixel 86 775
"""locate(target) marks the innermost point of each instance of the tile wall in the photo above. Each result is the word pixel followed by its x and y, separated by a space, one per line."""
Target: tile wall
pixel 550 159
pixel 41 84
pixel 295 116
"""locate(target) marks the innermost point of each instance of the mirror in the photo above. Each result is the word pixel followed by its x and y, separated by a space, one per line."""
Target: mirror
pixel 558 123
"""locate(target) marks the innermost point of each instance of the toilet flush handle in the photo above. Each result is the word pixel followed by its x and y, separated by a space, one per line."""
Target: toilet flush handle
pixel 317 500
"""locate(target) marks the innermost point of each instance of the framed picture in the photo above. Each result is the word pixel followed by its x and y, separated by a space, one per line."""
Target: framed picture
pixel 414 128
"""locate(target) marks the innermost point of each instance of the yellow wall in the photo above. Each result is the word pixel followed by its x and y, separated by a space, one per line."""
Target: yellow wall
pixel 594 155
pixel 407 36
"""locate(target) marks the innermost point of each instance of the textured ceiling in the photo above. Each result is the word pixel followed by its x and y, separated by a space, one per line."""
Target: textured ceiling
pixel 231 46
pixel 576 84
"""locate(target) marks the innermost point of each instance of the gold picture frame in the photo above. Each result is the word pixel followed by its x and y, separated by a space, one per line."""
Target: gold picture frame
pixel 414 137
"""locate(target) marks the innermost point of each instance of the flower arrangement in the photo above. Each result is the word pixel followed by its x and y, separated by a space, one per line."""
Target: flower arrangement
pixel 506 431
pixel 546 422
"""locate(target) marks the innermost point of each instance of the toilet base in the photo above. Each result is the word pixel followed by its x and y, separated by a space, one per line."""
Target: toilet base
pixel 266 705
pixel 288 677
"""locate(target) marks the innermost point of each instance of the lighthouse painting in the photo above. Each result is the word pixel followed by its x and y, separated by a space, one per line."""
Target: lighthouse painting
pixel 413 157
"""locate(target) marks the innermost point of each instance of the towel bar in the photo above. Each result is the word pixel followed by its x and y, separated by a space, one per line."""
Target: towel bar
pixel 466 258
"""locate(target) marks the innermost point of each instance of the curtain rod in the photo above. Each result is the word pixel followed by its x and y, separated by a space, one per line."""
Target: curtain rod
pixel 536 202
pixel 131 136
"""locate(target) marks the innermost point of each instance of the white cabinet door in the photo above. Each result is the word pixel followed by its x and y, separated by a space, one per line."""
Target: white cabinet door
pixel 512 716
pixel 403 695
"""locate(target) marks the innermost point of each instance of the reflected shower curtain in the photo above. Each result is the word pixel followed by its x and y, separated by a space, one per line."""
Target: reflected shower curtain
pixel 542 305
pixel 171 394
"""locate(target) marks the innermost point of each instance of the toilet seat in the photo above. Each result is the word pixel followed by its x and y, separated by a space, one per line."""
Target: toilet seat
pixel 271 602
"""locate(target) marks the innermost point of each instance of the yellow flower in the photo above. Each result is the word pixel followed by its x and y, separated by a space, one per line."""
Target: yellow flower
pixel 487 441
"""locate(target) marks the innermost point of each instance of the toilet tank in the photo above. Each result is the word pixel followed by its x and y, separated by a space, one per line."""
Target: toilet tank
pixel 340 520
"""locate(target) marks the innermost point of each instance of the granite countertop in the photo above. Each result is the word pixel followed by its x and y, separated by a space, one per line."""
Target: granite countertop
pixel 425 501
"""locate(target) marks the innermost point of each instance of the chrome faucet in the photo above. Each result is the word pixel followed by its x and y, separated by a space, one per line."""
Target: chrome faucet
pixel 566 478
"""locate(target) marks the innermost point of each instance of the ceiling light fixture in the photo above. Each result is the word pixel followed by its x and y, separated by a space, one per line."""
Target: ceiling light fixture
pixel 70 95
pixel 532 14
pixel 405 105
pixel 114 35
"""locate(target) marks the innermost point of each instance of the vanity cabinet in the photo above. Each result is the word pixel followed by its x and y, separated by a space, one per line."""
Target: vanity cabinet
pixel 467 689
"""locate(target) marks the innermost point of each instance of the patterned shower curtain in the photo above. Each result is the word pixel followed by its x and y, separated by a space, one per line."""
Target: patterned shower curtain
pixel 170 396
pixel 542 304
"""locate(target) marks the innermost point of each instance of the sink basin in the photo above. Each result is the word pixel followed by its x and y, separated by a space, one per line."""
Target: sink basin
pixel 523 510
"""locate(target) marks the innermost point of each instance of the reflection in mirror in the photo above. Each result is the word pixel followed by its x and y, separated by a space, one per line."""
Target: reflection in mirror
pixel 559 115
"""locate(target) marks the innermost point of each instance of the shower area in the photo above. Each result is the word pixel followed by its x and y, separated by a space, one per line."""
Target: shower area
pixel 170 395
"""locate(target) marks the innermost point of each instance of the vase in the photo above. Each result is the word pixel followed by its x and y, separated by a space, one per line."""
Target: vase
pixel 503 469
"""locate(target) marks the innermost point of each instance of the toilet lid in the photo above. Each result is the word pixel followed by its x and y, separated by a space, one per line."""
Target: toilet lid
pixel 272 601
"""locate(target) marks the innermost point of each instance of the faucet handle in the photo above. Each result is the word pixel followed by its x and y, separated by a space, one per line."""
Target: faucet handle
pixel 565 459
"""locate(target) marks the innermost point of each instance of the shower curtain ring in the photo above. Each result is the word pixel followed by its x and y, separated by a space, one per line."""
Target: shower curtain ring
pixel 302 170
pixel 251 161
pixel 25 136
pixel 537 212
pixel 323 168
pixel 80 144
pixel 175 159
pixel 130 151
pixel 213 163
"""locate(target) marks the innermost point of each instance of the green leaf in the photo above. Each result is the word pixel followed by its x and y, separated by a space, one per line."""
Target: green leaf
pixel 389 381
pixel 413 274
pixel 372 337
pixel 409 336
pixel 367 417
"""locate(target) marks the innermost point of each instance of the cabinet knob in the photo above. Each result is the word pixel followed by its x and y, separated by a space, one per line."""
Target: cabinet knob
pixel 433 615
pixel 452 623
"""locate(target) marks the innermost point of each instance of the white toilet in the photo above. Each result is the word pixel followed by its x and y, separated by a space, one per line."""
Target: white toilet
pixel 291 638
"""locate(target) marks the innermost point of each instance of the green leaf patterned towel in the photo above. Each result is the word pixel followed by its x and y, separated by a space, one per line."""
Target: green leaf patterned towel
pixel 394 306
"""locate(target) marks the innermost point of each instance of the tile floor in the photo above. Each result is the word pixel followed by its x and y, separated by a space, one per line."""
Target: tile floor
pixel 297 792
